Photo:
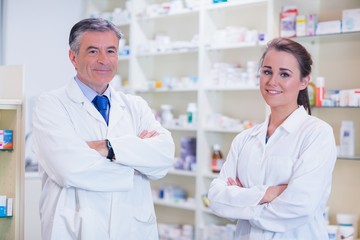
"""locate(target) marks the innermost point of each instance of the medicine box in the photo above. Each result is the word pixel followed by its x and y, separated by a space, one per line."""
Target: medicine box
pixel 351 20
pixel 3 206
pixel 300 25
pixel 328 27
pixel 9 207
pixel 6 139
pixel 288 21
pixel 311 21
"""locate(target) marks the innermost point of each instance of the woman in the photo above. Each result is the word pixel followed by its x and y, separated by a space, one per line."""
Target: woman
pixel 277 177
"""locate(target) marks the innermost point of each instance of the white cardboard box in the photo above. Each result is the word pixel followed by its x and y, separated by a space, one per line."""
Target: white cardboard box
pixel 351 20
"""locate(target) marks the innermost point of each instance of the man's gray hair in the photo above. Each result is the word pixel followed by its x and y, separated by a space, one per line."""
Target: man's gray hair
pixel 90 25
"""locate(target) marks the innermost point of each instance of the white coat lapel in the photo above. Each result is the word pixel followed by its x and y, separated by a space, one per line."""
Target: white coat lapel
pixel 117 110
pixel 76 95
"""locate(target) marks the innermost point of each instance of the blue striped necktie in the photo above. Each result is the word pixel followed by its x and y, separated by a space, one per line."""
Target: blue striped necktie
pixel 101 103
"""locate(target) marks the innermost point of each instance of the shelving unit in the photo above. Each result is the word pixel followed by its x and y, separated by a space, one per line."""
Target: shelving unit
pixel 12 161
pixel 336 57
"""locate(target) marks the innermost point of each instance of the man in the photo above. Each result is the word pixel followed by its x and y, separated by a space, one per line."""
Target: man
pixel 96 163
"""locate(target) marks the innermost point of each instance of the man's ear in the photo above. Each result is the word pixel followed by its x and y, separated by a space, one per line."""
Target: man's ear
pixel 72 57
pixel 305 82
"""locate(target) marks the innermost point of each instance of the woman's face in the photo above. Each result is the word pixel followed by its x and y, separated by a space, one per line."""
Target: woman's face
pixel 280 81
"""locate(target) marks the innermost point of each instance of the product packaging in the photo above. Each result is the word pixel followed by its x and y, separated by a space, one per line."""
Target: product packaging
pixel 217 160
pixel 2 206
pixel 311 21
pixel 6 139
pixel 328 27
pixel 320 91
pixel 300 25
pixel 347 138
pixel 351 20
pixel 312 93
pixel 288 21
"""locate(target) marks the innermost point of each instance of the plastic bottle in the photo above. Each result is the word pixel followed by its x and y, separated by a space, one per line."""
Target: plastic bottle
pixel 217 160
pixel 191 113
pixel 166 113
pixel 347 138
pixel 312 93
pixel 320 88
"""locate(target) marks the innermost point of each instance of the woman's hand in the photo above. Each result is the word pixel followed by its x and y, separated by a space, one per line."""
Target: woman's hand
pixel 271 193
pixel 231 182
pixel 148 134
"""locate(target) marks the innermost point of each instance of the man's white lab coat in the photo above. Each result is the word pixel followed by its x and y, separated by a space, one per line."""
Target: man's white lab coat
pixel 85 196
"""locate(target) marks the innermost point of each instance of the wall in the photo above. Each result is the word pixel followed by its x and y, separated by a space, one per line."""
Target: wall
pixel 36 35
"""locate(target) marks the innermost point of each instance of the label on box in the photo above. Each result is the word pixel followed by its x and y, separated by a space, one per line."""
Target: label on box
pixel 6 139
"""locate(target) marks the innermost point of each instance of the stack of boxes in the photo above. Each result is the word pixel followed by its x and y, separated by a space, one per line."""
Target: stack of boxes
pixel 293 24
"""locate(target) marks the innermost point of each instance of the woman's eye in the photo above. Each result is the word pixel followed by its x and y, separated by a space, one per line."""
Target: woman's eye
pixel 284 75
pixel 266 72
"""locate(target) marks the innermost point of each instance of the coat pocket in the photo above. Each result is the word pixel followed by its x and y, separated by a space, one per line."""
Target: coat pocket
pixel 82 224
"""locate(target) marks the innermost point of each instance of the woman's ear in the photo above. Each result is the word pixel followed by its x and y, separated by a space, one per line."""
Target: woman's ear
pixel 305 82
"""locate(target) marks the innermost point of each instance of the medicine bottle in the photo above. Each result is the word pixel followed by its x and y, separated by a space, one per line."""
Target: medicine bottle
pixel 217 160
pixel 166 114
pixel 320 89
pixel 191 113
pixel 347 138
pixel 311 92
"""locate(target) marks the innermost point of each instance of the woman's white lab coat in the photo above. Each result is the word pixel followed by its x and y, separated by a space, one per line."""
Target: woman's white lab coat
pixel 85 196
pixel 300 153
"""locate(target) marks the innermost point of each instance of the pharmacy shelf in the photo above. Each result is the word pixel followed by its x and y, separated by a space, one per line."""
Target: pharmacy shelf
pixel 232 101
pixel 161 90
pixel 324 36
pixel 182 173
pixel 124 58
pixel 179 205
pixel 12 166
pixel 179 128
pixel 171 14
pixel 234 3
pixel 193 49
pixel 233 46
pixel 341 157
pixel 210 175
pixel 222 130
pixel 231 88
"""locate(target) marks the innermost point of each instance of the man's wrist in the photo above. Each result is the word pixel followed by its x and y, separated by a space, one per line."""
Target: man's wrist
pixel 111 154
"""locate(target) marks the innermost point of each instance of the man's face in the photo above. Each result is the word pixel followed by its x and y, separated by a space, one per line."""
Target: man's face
pixel 97 60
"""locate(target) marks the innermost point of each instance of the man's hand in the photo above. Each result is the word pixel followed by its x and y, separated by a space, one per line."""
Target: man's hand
pixel 99 146
pixel 273 192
